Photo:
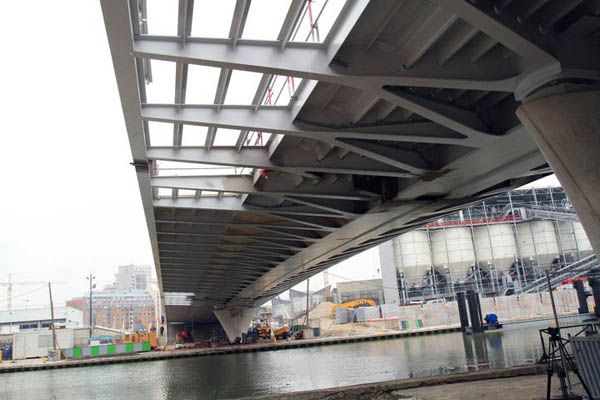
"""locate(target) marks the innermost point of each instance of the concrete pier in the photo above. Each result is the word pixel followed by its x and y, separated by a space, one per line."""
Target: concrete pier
pixel 564 122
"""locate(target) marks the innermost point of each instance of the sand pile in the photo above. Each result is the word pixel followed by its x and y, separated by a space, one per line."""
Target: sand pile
pixel 322 310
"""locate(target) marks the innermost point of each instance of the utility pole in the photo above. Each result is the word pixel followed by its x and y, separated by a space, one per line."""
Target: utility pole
pixel 52 316
pixel 91 279
pixel 307 300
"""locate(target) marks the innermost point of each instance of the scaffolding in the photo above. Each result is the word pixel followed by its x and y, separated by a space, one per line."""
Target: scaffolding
pixel 486 275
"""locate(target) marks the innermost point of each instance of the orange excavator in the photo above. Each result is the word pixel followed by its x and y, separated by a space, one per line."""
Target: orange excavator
pixel 352 304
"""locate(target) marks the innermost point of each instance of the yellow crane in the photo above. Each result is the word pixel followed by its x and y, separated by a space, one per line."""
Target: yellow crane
pixel 353 304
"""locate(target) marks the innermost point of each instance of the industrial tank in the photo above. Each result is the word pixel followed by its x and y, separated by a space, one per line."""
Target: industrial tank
pixel 573 238
pixel 504 248
pixel 453 249
pixel 412 256
pixel 540 237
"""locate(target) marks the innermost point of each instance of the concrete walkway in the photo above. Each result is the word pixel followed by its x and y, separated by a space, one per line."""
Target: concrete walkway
pixel 526 382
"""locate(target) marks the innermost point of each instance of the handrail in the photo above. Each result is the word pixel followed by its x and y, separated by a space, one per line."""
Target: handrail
pixel 572 270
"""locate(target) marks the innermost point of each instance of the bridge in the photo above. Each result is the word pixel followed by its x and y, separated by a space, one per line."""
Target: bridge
pixel 365 120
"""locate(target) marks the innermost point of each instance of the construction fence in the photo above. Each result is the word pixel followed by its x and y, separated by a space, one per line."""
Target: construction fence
pixel 508 308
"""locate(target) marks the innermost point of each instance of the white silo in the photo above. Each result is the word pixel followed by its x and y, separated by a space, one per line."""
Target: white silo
pixel 412 255
pixel 538 237
pixel 574 239
pixel 585 247
pixel 503 250
pixel 453 247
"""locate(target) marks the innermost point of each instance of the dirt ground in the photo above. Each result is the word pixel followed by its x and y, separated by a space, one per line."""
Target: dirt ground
pixel 330 329
pixel 321 316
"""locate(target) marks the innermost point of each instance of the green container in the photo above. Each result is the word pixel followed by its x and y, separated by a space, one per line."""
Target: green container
pixel 317 332
pixel 111 348
pixel 95 350
pixel 128 347
pixel 76 352
pixel 146 346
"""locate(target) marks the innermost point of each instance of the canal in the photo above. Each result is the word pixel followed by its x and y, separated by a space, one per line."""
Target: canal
pixel 252 374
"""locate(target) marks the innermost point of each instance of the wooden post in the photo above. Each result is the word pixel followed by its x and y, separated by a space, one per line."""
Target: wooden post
pixel 307 301
pixel 52 316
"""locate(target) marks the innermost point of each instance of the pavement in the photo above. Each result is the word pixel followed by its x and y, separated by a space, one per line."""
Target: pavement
pixel 526 382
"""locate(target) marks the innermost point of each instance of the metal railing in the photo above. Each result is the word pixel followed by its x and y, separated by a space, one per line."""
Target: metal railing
pixel 573 270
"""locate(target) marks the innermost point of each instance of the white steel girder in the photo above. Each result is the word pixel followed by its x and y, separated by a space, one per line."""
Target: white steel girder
pixel 335 187
pixel 244 184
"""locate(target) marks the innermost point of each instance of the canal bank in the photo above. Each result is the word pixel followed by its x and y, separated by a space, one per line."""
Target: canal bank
pixel 41 364
pixel 289 370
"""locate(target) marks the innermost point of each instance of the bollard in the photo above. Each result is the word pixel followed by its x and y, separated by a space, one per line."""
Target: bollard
pixel 595 285
pixel 462 311
pixel 474 312
pixel 581 297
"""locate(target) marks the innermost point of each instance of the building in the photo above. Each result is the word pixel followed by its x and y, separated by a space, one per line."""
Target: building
pixel 77 302
pixel 126 310
pixel 371 289
pixel 39 318
pixel 133 277
pixel 498 245
pixel 131 303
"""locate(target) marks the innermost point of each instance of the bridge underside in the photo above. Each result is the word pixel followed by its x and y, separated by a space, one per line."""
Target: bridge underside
pixel 402 111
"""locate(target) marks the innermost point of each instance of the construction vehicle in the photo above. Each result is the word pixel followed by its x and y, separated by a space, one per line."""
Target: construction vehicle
pixel 353 304
pixel 141 337
pixel 264 332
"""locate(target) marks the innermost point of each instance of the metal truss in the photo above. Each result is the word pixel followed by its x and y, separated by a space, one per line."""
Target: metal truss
pixel 403 112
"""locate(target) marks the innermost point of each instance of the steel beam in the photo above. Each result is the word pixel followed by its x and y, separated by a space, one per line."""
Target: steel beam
pixel 164 231
pixel 244 184
pixel 258 158
pixel 308 61
pixel 529 43
pixel 279 120
pixel 189 220
pixel 235 204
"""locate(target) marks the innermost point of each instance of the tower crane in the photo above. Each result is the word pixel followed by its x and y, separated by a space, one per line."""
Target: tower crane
pixel 9 285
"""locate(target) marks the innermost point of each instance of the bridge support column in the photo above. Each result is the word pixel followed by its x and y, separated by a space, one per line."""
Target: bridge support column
pixel 387 261
pixel 564 121
pixel 235 321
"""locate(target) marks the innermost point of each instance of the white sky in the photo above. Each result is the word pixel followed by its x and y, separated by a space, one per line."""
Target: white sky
pixel 69 203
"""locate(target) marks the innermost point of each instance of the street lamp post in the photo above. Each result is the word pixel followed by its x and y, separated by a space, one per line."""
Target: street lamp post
pixel 92 285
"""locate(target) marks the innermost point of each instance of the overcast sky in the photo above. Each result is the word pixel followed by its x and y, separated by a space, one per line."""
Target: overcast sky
pixel 69 202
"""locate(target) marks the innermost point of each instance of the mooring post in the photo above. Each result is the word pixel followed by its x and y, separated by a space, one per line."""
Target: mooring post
pixel 462 311
pixel 595 285
pixel 581 297
pixel 474 313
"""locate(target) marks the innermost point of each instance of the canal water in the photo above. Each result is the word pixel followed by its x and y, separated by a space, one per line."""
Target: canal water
pixel 253 374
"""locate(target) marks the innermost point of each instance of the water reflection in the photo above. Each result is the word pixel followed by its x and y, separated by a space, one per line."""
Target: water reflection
pixel 236 375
